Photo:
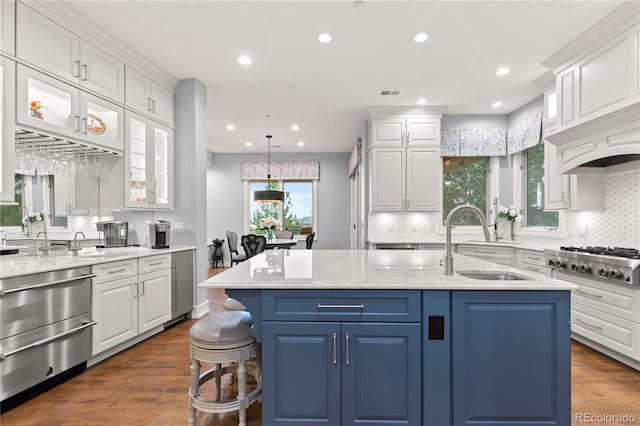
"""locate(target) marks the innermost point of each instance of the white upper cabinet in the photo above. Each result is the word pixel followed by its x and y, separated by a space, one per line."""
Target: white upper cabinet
pixel 556 186
pixel 424 174
pixel 8 26
pixel 47 45
pixel 405 131
pixel 148 97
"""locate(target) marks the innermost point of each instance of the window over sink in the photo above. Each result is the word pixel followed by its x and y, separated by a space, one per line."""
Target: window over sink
pixel 465 181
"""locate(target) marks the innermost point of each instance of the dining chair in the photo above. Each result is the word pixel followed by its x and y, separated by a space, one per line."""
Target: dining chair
pixel 232 240
pixel 253 244
pixel 309 240
pixel 284 235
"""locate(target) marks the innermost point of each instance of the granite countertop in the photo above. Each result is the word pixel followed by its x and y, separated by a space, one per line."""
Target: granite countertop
pixel 30 263
pixel 369 269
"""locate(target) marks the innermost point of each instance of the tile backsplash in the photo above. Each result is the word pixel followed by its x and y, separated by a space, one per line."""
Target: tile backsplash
pixel 617 225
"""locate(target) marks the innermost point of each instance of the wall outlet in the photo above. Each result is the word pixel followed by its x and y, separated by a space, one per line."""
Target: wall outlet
pixel 582 232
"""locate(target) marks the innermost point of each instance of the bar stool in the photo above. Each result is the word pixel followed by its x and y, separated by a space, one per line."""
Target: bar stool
pixel 224 339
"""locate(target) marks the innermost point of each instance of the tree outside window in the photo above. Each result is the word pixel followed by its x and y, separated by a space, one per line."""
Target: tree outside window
pixel 12 215
pixel 534 191
pixel 295 214
pixel 464 182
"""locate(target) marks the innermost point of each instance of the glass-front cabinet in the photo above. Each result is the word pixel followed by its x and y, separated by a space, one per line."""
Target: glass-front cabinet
pixel 148 163
pixel 52 106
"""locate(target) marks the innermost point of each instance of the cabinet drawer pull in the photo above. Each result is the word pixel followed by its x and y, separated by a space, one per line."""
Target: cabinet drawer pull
pixel 586 293
pixel 485 251
pixel 595 327
pixel 117 271
pixel 156 263
pixel 346 343
pixel 323 306
pixel 49 284
pixel 335 348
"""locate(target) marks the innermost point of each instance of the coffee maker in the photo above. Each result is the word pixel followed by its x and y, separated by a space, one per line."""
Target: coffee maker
pixel 116 234
pixel 158 234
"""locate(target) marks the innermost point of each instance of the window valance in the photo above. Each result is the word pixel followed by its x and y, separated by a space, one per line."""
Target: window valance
pixel 473 142
pixel 525 134
pixel 285 170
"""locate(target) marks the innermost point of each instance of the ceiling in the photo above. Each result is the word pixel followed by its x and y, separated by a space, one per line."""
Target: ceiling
pixel 325 88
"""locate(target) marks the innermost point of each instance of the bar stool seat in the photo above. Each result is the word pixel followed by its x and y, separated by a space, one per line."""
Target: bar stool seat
pixel 224 339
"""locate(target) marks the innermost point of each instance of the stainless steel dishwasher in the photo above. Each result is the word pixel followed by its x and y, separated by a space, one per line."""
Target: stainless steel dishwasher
pixel 45 331
pixel 182 282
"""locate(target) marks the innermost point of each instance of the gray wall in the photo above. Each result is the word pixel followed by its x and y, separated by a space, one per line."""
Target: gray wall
pixel 225 201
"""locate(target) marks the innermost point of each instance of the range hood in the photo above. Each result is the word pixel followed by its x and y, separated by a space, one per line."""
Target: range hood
pixel 602 142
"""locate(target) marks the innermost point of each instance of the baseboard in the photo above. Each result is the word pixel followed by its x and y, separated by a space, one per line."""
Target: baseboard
pixel 200 310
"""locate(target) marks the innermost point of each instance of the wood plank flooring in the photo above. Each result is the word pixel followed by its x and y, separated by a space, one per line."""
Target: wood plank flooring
pixel 148 385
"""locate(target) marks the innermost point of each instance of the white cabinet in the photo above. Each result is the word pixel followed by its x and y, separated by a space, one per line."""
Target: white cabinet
pixel 556 191
pixel 405 179
pixel 45 103
pixel 405 131
pixel 148 163
pixel 127 303
pixel 532 261
pixel 8 26
pixel 47 45
pixel 148 97
pixel 7 122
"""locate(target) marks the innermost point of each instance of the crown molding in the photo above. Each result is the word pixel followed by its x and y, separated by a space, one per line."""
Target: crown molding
pixel 546 81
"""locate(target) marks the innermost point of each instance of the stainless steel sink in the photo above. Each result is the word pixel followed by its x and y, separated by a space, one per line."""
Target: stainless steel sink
pixel 493 275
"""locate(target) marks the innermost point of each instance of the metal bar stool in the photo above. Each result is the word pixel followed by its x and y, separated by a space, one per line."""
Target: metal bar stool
pixel 224 339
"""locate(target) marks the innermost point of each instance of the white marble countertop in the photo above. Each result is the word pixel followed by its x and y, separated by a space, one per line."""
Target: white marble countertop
pixel 22 264
pixel 501 243
pixel 369 269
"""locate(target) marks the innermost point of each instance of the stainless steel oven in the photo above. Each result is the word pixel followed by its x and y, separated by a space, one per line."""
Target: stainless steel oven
pixel 45 330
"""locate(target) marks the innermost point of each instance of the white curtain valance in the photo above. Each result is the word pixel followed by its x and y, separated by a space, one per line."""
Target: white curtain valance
pixel 525 134
pixel 285 170
pixel 473 142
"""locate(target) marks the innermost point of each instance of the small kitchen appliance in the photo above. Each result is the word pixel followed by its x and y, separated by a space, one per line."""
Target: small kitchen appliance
pixel 158 234
pixel 116 233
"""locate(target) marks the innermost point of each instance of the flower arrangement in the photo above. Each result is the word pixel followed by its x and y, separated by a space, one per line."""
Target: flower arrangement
pixel 33 217
pixel 510 213
pixel 268 223
pixel 35 110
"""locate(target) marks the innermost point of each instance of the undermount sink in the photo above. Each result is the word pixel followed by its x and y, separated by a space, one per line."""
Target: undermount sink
pixel 493 275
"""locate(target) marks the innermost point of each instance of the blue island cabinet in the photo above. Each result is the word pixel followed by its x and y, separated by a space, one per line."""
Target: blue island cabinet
pixel 511 358
pixel 344 365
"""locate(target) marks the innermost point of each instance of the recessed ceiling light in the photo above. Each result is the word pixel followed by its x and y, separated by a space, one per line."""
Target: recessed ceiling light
pixel 358 4
pixel 295 127
pixel 325 38
pixel 421 101
pixel 231 127
pixel 502 71
pixel 301 143
pixel 247 144
pixel 421 37
pixel 244 60
pixel 497 104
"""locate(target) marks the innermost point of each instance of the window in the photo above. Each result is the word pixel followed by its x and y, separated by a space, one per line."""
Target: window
pixel 12 215
pixel 464 182
pixel 36 193
pixel 533 194
pixel 295 214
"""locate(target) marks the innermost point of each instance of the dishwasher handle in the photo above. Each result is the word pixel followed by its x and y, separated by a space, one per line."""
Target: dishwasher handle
pixel 48 340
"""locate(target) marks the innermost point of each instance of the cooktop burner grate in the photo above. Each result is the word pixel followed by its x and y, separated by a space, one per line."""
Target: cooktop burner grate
pixel 630 253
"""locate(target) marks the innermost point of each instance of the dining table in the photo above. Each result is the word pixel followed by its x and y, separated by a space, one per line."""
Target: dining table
pixel 280 243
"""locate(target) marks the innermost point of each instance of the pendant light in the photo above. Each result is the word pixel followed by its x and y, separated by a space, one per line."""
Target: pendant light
pixel 268 195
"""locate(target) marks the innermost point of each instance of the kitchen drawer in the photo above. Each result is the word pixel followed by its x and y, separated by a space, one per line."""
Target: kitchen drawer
pixel 114 270
pixel 532 257
pixel 485 251
pixel 613 332
pixel 154 263
pixel 615 300
pixel 343 305
pixel 535 268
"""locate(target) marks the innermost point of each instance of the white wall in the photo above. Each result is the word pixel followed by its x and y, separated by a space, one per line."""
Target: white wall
pixel 225 197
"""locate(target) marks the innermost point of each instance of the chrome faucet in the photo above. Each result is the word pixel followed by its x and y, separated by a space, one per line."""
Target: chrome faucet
pixel 26 230
pixel 45 248
pixel 76 248
pixel 448 259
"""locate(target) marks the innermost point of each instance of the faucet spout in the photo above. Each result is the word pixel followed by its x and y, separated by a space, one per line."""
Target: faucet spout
pixel 45 246
pixel 448 259
pixel 76 248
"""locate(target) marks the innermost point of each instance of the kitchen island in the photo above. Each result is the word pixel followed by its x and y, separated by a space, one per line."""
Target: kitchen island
pixel 384 337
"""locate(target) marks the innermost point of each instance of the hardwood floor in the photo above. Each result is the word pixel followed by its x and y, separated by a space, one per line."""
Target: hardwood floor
pixel 148 385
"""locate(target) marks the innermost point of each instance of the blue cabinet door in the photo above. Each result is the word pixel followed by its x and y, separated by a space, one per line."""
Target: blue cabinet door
pixel 511 358
pixel 381 374
pixel 301 382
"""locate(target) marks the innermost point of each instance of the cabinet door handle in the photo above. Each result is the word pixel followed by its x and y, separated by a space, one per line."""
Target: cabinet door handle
pixel 85 71
pixel 85 125
pixel 564 196
pixel 335 348
pixel 586 293
pixel 135 293
pixel 588 325
pixel 408 138
pixel 346 343
pixel 402 138
pixel 408 202
pixel 77 123
pixel 77 70
pixel 141 288
pixel 148 104
pixel 153 105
